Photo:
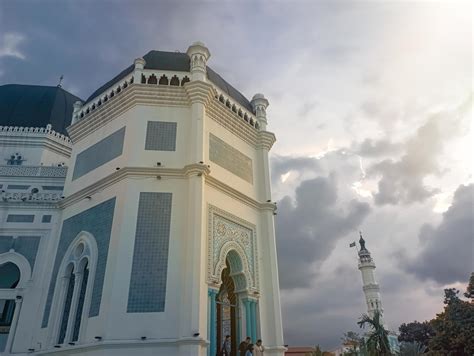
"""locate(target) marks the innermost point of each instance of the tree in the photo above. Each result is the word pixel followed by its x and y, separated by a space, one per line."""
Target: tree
pixel 412 348
pixel 470 288
pixel 454 327
pixel 416 332
pixel 377 341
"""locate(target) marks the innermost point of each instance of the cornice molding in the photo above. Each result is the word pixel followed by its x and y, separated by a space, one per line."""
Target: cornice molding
pixel 62 148
pixel 234 193
pixel 200 92
pixel 233 124
pixel 188 171
pixel 135 94
pixel 266 140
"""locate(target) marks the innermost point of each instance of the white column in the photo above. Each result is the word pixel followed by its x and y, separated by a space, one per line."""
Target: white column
pixel 195 295
pixel 138 71
pixel 260 104
pixel 271 329
pixel 13 326
pixel 57 310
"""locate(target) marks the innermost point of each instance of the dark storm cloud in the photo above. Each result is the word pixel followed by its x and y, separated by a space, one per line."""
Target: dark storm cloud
pixel 284 164
pixel 447 251
pixel 402 180
pixel 321 316
pixel 308 228
pixel 88 41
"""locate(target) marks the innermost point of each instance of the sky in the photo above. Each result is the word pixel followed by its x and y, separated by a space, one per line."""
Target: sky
pixel 371 103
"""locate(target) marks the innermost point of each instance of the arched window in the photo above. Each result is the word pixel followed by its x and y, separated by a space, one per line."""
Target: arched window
pixel 174 81
pixel 185 80
pixel 163 80
pixel 143 79
pixel 9 276
pixel 152 79
pixel 68 280
pixel 74 288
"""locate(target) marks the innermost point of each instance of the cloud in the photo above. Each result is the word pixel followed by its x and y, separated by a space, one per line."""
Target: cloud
pixel 376 148
pixel 284 164
pixel 447 251
pixel 402 180
pixel 309 226
pixel 9 44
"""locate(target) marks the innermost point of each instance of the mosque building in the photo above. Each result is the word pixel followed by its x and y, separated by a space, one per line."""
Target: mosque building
pixel 139 221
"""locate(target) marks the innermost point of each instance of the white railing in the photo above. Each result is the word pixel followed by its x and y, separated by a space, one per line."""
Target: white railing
pixel 33 131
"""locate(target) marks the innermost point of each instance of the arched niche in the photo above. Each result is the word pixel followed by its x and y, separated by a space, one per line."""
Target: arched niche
pixel 21 263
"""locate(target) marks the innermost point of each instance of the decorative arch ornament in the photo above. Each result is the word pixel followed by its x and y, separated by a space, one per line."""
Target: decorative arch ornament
pixel 229 235
pixel 21 262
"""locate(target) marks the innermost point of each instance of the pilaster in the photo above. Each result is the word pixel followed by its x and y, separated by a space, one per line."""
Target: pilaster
pixel 195 296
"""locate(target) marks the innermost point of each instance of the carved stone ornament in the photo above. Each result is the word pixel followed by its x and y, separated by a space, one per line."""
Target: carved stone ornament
pixel 226 233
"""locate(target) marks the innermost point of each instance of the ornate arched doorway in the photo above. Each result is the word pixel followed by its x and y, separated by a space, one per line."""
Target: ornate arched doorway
pixel 227 305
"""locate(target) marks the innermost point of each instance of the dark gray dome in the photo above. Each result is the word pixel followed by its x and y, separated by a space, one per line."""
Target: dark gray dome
pixel 176 61
pixel 36 106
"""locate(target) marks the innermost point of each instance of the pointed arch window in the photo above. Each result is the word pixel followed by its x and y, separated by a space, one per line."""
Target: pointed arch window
pixel 74 289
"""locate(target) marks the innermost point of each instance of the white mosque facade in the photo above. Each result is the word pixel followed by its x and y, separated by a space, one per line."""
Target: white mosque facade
pixel 146 227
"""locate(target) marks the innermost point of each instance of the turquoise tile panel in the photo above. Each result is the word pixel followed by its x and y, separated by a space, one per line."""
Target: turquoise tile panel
pixel 161 136
pixel 98 222
pixel 147 291
pixel 102 152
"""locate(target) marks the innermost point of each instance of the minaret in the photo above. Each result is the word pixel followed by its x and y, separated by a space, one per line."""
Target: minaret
pixel 370 286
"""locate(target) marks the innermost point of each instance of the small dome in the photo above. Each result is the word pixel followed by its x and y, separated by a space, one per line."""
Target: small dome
pixel 258 96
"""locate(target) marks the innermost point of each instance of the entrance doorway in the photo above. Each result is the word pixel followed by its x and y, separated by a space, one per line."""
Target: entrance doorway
pixel 227 305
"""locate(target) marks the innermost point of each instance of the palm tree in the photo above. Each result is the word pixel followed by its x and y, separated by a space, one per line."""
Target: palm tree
pixel 377 341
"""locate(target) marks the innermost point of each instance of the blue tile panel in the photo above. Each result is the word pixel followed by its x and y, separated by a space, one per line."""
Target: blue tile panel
pixel 80 306
pixel 28 247
pixel 18 187
pixel 46 219
pixel 67 309
pixel 150 255
pixel 6 243
pixel 3 341
pixel 160 136
pixel 17 218
pixel 24 245
pixel 98 222
pixel 102 152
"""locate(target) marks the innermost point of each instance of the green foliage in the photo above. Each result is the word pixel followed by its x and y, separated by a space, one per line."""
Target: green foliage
pixel 416 332
pixel 454 327
pixel 413 348
pixel 377 341
pixel 470 288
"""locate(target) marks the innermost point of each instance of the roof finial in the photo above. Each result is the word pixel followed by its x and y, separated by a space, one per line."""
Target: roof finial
pixel 60 81
pixel 361 241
